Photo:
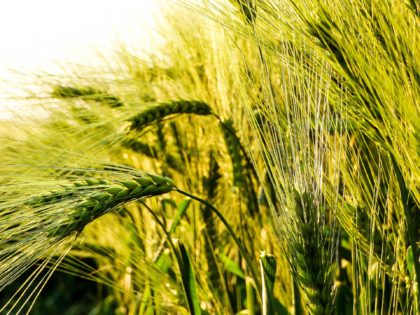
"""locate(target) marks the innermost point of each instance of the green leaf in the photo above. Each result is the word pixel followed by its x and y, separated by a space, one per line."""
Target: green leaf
pixel 268 266
pixel 182 207
pixel 188 278
pixel 232 266
pixel 410 263
pixel 164 263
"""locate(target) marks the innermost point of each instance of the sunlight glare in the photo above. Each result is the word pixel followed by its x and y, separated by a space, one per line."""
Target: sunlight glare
pixel 36 36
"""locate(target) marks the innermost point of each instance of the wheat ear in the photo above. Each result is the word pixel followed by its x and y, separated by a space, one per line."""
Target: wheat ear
pixel 311 258
pixel 95 197
pixel 86 93
pixel 163 110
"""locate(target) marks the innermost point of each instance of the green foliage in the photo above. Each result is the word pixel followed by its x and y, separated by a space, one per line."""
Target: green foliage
pixel 314 104
pixel 268 271
pixel 188 279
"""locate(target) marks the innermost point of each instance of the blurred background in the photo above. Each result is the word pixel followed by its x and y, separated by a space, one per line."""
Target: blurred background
pixel 47 36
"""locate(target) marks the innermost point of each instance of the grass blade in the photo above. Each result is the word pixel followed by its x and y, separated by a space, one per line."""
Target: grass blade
pixel 188 278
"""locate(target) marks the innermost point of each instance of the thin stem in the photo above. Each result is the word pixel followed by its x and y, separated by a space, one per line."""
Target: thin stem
pixel 296 298
pixel 187 289
pixel 232 233
pixel 160 223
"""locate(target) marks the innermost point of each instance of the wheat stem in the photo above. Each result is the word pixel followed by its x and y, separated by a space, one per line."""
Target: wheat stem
pixel 232 233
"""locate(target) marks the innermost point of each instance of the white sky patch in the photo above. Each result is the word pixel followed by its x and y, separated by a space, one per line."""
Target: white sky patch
pixel 37 36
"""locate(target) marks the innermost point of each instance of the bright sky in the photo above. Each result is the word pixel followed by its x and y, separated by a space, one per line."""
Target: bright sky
pixel 36 35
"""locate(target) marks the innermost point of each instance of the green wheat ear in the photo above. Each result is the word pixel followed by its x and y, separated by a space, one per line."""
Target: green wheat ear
pixel 163 110
pixel 86 93
pixel 311 258
pixel 94 198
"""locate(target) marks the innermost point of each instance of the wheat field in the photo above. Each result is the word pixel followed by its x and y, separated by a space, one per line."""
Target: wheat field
pixel 265 160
